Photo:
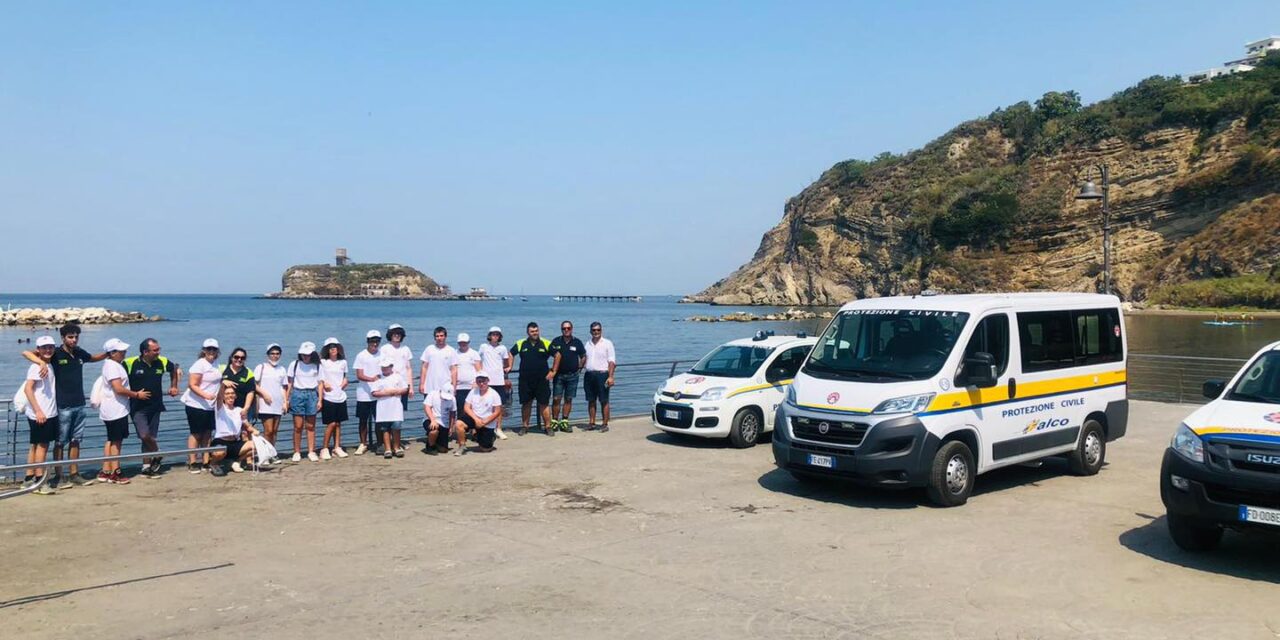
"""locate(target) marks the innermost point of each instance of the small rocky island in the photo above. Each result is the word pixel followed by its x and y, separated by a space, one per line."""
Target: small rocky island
pixel 37 317
pixel 347 280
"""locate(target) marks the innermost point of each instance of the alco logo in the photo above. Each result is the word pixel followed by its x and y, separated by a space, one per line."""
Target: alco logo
pixel 1272 417
pixel 1041 425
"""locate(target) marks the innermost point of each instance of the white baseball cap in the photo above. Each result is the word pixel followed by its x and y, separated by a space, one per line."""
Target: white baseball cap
pixel 387 362
pixel 464 337
pixel 331 340
pixel 210 343
pixel 373 335
pixel 394 326
pixel 445 394
pixel 115 344
pixel 273 346
pixel 495 329
pixel 481 374
pixel 306 348
pixel 45 341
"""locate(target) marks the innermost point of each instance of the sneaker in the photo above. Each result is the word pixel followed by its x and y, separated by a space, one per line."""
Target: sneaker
pixel 604 428
pixel 119 478
pixel 386 455
pixel 550 430
pixel 297 457
pixel 154 467
pixel 588 427
pixel 218 470
pixel 236 468
pixel 361 449
pixel 399 453
pixel 106 478
pixel 501 435
pixel 565 426
pixel 459 451
pixel 56 482
pixel 28 481
pixel 205 466
pixel 191 468
pixel 311 455
pixel 340 452
pixel 523 430
pixel 46 490
pixel 324 455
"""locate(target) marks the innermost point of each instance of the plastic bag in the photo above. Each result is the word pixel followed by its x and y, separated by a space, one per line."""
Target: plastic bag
pixel 262 450
pixel 99 391
pixel 20 399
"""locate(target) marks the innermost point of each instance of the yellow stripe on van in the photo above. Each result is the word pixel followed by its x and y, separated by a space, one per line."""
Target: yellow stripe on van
pixel 780 383
pixel 827 407
pixel 970 398
pixel 1210 431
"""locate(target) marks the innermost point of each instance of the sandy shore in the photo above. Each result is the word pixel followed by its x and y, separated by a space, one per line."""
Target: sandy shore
pixel 629 534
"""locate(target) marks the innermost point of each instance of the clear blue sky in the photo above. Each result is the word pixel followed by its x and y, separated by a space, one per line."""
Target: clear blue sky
pixel 544 147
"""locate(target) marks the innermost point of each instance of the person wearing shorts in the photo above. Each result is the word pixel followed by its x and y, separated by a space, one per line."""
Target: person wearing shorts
pixel 203 382
pixel 479 415
pixel 388 390
pixel 41 412
pixel 436 406
pixel 231 432
pixel 68 364
pixel 569 357
pixel 272 379
pixel 113 408
pixel 598 378
pixel 535 378
pixel 367 371
pixel 402 355
pixel 333 379
pixel 495 360
pixel 146 373
pixel 304 400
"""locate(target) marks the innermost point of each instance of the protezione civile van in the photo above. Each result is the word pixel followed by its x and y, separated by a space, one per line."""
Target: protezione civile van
pixel 932 391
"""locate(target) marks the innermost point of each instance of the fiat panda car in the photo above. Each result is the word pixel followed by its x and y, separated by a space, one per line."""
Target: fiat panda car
pixel 733 391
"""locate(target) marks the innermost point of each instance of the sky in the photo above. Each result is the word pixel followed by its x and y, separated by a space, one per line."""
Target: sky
pixel 533 147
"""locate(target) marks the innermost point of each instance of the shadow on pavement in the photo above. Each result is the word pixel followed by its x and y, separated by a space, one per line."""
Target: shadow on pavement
pixel 1249 555
pixel 692 442
pixel 838 492
pixel 54 595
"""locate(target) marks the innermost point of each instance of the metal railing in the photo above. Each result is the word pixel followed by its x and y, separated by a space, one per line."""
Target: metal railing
pixel 1151 377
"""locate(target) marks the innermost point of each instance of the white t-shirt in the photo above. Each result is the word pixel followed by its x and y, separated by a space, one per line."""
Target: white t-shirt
pixel 402 356
pixel 227 422
pixel 437 405
pixel 305 375
pixel 210 382
pixel 493 360
pixel 366 363
pixel 334 372
pixel 600 355
pixel 483 405
pixel 467 361
pixel 43 390
pixel 114 406
pixel 439 361
pixel 389 408
pixel 272 379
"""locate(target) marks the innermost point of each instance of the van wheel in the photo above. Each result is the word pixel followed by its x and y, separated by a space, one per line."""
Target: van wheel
pixel 951 478
pixel 1193 534
pixel 746 428
pixel 1087 459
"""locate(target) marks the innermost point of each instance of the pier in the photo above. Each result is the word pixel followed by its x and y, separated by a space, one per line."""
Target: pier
pixel 594 298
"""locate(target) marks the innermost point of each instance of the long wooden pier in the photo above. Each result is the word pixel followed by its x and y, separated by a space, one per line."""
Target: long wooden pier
pixel 597 299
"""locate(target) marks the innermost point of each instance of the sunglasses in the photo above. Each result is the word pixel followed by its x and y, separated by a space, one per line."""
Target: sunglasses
pixel 237 357
pixel 566 328
pixel 595 331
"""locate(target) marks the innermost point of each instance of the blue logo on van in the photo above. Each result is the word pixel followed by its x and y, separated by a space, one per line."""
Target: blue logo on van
pixel 1041 425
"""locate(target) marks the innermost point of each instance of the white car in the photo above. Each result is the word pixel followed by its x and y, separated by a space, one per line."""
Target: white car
pixel 1222 469
pixel 733 391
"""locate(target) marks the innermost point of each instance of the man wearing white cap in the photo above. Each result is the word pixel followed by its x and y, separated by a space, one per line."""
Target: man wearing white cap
pixel 469 364
pixel 440 373
pixel 367 371
pixel 390 413
pixel 41 411
pixel 402 356
pixel 113 407
pixel 436 422
pixel 68 365
pixel 480 415
pixel 496 360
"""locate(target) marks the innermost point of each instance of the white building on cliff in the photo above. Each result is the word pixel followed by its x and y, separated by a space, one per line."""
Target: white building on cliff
pixel 1254 52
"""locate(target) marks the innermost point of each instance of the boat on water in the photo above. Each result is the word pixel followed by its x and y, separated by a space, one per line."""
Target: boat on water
pixel 478 294
pixel 1232 320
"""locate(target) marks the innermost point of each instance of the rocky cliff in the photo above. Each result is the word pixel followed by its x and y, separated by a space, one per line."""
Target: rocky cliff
pixel 989 206
pixel 357 281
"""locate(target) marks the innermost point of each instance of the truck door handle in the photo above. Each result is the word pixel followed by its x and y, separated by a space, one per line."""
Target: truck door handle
pixel 1013 388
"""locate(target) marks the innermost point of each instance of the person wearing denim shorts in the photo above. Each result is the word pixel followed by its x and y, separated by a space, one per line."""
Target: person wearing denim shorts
pixel 569 357
pixel 68 368
pixel 304 400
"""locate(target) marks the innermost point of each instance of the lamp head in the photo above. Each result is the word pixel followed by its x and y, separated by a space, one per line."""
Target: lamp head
pixel 1089 192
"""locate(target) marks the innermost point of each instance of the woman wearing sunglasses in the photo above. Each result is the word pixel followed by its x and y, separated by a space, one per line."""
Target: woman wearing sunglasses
pixel 203 381
pixel 238 373
pixel 272 379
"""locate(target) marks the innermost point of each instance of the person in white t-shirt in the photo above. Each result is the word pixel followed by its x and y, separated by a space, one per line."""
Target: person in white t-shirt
pixel 496 361
pixel 114 408
pixel 479 415
pixel 367 371
pixel 402 356
pixel 272 381
pixel 469 364
pixel 42 412
pixel 303 400
pixel 203 381
pixel 333 373
pixel 231 432
pixel 388 390
pixel 440 373
pixel 436 422
pixel 598 379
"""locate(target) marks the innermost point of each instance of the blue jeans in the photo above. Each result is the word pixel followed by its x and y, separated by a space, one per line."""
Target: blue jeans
pixel 71 425
pixel 564 385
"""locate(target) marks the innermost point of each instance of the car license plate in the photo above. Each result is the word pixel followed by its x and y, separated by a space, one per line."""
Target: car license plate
pixel 1260 515
pixel 671 414
pixel 822 461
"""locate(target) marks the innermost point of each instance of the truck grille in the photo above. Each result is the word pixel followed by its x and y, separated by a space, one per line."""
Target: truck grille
pixel 848 434
pixel 1234 496
pixel 683 421
pixel 1235 456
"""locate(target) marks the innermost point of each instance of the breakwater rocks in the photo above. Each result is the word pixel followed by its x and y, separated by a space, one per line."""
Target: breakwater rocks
pixel 35 317
pixel 745 316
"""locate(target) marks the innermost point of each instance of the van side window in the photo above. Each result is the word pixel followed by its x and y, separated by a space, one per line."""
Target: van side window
pixel 1098 336
pixel 1046 340
pixel 990 336
pixel 785 366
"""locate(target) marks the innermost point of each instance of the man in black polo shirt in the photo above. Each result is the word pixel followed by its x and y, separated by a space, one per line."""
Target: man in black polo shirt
pixel 535 377
pixel 146 372
pixel 68 370
pixel 570 357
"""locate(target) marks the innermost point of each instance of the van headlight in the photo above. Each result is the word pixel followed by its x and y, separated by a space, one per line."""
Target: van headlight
pixel 905 404
pixel 1188 444
pixel 714 393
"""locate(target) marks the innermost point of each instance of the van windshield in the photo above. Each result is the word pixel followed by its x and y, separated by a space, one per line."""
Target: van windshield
pixel 1260 382
pixel 731 361
pixel 884 345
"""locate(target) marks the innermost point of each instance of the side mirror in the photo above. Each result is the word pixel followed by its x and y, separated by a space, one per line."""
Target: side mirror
pixel 980 370
pixel 1213 389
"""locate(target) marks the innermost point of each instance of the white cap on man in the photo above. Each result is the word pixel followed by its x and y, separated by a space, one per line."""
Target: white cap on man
pixel 210 343
pixel 387 362
pixel 464 337
pixel 331 340
pixel 395 326
pixel 480 375
pixel 306 348
pixel 115 344
pixel 45 341
pixel 373 335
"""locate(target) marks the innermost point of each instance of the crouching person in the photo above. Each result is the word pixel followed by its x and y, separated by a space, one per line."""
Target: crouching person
pixel 232 432
pixel 479 415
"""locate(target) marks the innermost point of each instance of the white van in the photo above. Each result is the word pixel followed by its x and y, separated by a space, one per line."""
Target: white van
pixel 930 391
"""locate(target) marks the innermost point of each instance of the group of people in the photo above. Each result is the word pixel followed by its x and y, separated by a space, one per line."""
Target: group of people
pixel 463 392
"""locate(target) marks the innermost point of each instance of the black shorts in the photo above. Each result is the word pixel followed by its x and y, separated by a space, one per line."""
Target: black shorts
pixel 43 433
pixel 268 416
pixel 535 387
pixel 504 393
pixel 234 446
pixel 594 384
pixel 117 430
pixel 364 410
pixel 460 399
pixel 199 421
pixel 333 412
pixel 485 437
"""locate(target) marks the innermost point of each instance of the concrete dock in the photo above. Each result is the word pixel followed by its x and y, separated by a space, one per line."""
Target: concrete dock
pixel 630 534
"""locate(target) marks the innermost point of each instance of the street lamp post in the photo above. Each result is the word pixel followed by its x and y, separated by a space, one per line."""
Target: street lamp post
pixel 1089 191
